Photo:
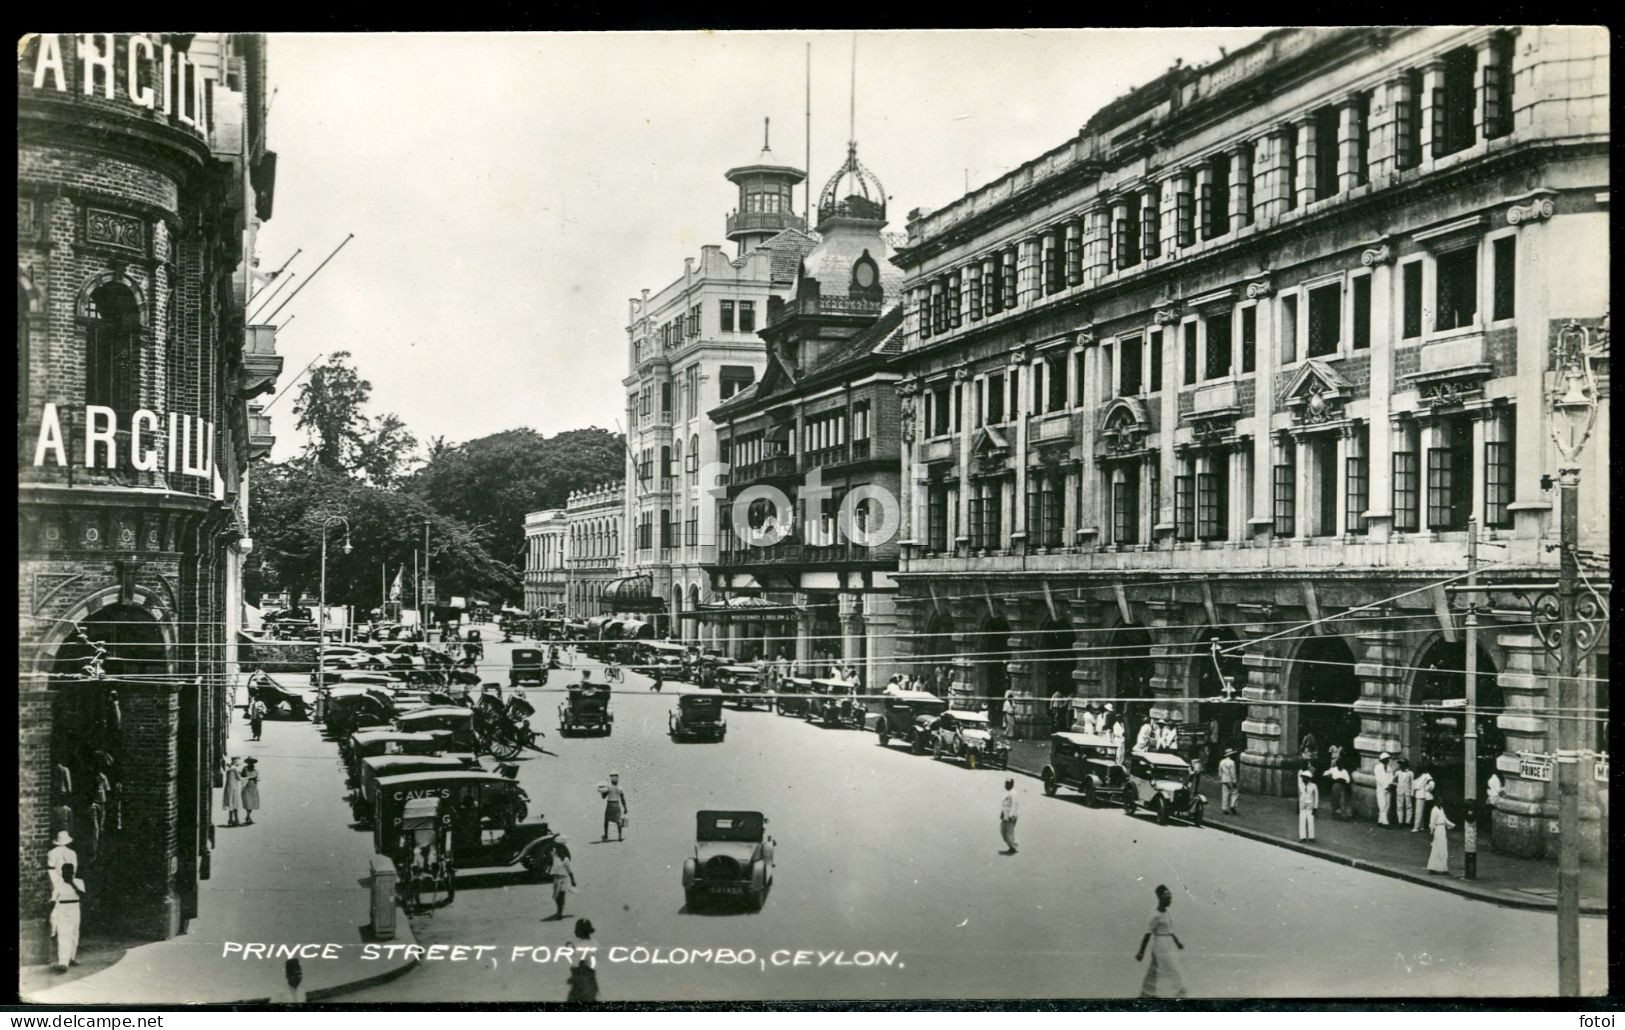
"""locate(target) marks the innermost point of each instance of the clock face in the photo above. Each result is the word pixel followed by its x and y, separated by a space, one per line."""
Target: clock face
pixel 864 274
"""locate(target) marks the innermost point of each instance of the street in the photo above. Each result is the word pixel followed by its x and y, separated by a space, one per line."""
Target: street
pixel 883 851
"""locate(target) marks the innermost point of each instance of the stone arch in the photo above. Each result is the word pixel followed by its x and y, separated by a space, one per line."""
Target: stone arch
pixel 148 601
pixel 1216 684
pixel 1434 728
pixel 990 646
pixel 1129 666
pixel 1054 660
pixel 1321 688
pixel 84 306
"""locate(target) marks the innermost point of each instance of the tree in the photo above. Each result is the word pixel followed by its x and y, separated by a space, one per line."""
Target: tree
pixel 329 406
pixel 383 454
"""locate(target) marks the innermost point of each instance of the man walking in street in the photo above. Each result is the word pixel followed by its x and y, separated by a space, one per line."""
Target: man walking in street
pixel 256 716
pixel 615 808
pixel 1384 775
pixel 1008 810
pixel 1308 802
pixel 1229 783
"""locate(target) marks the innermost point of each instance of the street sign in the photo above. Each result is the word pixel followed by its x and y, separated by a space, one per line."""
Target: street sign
pixel 1599 768
pixel 1535 767
pixel 428 591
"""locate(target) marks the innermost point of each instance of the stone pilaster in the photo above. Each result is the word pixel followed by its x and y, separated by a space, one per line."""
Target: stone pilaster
pixel 1380 670
pixel 1268 764
pixel 1169 684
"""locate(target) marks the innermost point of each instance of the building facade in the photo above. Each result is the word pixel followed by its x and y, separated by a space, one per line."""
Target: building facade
pixel 812 450
pixel 546 537
pixel 1205 399
pixel 691 346
pixel 142 175
pixel 595 523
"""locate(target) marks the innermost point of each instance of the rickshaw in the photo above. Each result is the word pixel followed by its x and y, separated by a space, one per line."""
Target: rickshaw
pixel 585 709
pixel 279 701
pixel 483 814
pixel 528 668
pixel 504 729
pixel 425 879
pixel 386 741
pixel 472 647
pixel 792 699
pixel 839 706
pixel 698 716
pixel 382 766
pixel 454 724
pixel 740 681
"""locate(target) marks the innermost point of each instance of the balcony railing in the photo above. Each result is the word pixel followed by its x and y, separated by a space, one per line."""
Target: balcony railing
pixel 764 221
pixel 777 465
pixel 790 553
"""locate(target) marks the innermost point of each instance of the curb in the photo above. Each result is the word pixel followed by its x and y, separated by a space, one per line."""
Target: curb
pixel 1448 885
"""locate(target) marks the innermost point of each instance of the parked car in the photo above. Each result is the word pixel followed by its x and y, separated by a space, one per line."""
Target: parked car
pixel 741 680
pixel 1166 784
pixel 1088 764
pixel 698 716
pixel 839 705
pixel 786 700
pixel 901 715
pixel 585 709
pixel 484 811
pixel 733 857
pixel 386 740
pixel 969 736
pixel 378 767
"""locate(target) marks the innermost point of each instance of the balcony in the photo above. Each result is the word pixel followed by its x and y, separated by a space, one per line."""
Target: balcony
pixel 767 468
pixel 261 363
pixel 260 437
pixel 797 554
pixel 763 221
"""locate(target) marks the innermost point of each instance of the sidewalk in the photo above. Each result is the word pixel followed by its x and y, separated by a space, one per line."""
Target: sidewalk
pixel 298 875
pixel 1361 843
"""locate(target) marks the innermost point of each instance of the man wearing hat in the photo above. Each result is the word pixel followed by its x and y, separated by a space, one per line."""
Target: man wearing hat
pixel 1308 802
pixel 60 854
pixel 1229 783
pixel 1383 773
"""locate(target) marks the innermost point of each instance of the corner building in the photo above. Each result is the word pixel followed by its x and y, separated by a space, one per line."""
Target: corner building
pixel 595 522
pixel 544 576
pixel 142 177
pixel 1246 355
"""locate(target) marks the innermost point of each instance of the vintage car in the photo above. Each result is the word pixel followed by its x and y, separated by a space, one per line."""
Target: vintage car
pixel 279 701
pixel 1166 784
pixel 483 811
pixel 733 857
pixel 968 735
pixel 528 668
pixel 737 681
pixel 371 770
pixel 454 722
pixel 902 714
pixel 662 656
pixel 1088 764
pixel 348 708
pixel 838 705
pixel 792 696
pixel 386 740
pixel 585 709
pixel 698 716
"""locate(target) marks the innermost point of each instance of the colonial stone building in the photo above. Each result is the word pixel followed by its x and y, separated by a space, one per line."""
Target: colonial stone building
pixel 546 536
pixel 690 346
pixel 1208 395
pixel 812 447
pixel 143 173
pixel 594 529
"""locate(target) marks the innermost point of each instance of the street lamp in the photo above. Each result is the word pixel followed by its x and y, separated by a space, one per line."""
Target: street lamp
pixel 1573 415
pixel 321 618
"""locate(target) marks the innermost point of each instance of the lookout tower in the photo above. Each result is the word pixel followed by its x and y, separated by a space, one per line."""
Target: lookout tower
pixel 765 191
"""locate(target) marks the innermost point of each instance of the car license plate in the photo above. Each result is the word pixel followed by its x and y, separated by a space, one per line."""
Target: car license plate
pixel 726 888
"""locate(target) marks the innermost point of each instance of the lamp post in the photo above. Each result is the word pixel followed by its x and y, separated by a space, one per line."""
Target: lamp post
pixel 1573 415
pixel 321 617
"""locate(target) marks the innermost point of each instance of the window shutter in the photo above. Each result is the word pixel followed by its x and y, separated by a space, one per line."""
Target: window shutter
pixel 1120 237
pixel 1494 94
pixel 1184 216
pixel 1210 226
pixel 1441 134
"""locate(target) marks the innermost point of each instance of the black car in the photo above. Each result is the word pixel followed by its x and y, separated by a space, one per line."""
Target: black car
pixel 903 713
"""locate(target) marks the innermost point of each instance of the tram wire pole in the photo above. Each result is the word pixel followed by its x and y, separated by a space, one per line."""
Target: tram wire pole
pixel 1568 764
pixel 1469 781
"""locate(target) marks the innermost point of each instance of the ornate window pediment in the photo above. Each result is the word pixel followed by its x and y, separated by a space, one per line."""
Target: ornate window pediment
pixel 1124 426
pixel 1316 394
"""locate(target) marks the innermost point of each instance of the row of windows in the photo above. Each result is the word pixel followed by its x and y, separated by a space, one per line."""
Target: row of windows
pixel 595 538
pixel 1206 482
pixel 1322 154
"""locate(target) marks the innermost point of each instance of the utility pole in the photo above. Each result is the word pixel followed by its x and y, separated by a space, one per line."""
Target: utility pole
pixel 1568 758
pixel 1469 780
pixel 425 562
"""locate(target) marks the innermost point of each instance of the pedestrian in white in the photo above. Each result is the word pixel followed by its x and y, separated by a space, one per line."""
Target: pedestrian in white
pixel 1404 783
pixel 564 878
pixel 1229 783
pixel 1384 776
pixel 1145 737
pixel 60 854
pixel 66 889
pixel 232 798
pixel 1422 791
pixel 1308 802
pixel 1168 737
pixel 1008 810
pixel 251 790
pixel 1163 978
pixel 1439 852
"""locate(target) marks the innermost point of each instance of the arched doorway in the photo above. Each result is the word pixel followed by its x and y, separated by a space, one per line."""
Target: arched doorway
pixel 677 628
pixel 1437 731
pixel 1128 672
pixel 1324 689
pixel 934 655
pixel 1053 661
pixel 692 632
pixel 991 648
pixel 1219 685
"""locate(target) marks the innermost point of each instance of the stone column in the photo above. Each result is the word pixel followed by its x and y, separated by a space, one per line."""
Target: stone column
pixel 1119 224
pixel 1264 388
pixel 966 487
pixel 1097 252
pixel 1027 285
pixel 1380 670
pixel 1018 408
pixel 1168 681
pixel 1308 146
pixel 1379 469
pixel 881 624
pixel 804 640
pixel 1267 765
pixel 1150 195
pixel 1348 145
pixel 1241 186
pixel 1432 115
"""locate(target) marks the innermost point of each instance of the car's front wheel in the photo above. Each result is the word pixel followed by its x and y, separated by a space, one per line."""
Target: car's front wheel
pixel 936 750
pixel 1050 786
pixel 1162 811
pixel 880 731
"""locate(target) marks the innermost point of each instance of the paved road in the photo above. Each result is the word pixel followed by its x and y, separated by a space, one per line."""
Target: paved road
pixel 882 851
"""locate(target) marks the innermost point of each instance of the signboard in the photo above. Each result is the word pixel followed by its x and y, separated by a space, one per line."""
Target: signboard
pixel 1535 767
pixel 1599 768
pixel 1191 736
pixel 428 591
pixel 144 71
pixel 175 443
pixel 459 602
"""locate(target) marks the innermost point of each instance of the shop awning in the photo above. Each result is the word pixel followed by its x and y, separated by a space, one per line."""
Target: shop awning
pixel 743 607
pixel 631 594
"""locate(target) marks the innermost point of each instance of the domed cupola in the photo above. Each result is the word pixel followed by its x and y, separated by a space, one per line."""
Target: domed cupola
pixel 853 196
pixel 766 187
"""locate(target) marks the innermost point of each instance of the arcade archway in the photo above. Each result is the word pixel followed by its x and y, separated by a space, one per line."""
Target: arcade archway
pixel 1438 719
pixel 1128 668
pixel 991 647
pixel 1323 691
